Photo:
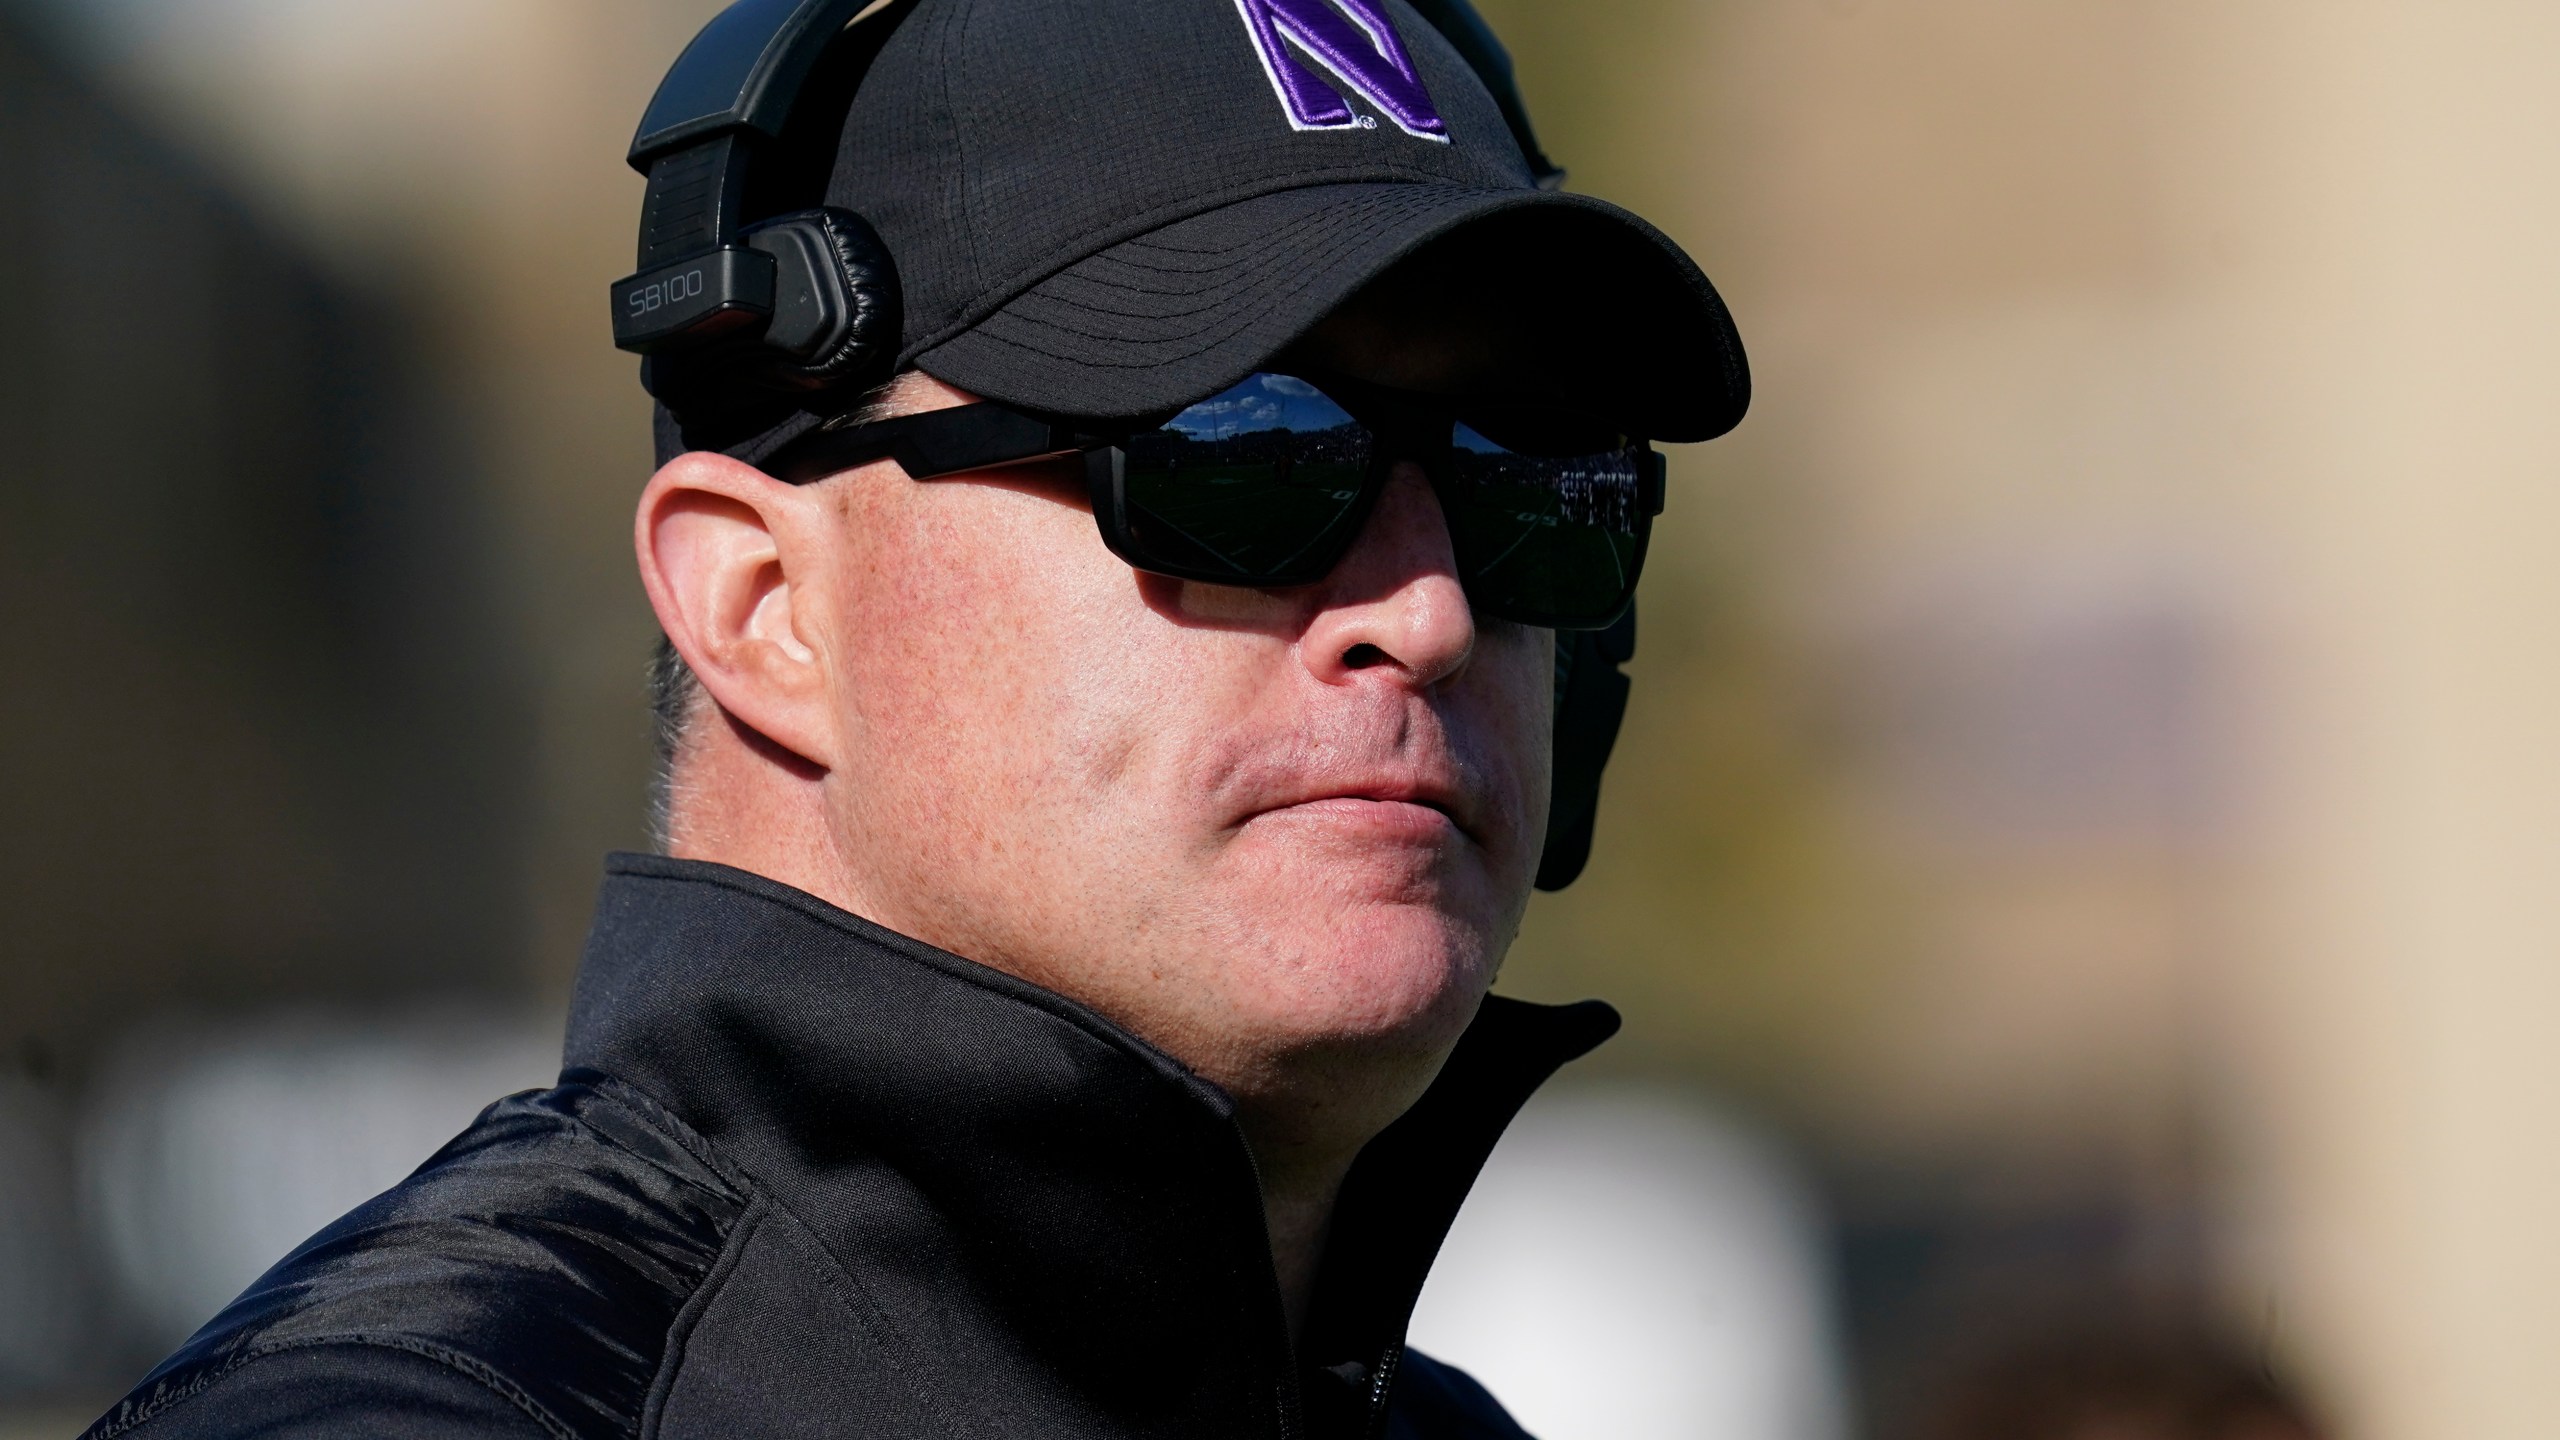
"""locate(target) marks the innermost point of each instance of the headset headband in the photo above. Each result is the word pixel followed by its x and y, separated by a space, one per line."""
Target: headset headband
pixel 743 72
pixel 707 143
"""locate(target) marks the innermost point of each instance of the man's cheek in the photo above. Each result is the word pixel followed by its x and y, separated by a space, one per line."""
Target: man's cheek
pixel 1510 720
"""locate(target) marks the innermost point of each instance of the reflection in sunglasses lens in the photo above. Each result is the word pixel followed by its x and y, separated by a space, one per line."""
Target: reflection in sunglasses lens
pixel 1552 539
pixel 1260 482
pixel 1264 484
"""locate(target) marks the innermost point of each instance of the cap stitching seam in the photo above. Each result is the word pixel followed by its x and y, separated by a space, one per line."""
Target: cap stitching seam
pixel 1208 299
pixel 998 296
pixel 1208 340
pixel 960 139
pixel 1253 250
pixel 1255 265
pixel 993 328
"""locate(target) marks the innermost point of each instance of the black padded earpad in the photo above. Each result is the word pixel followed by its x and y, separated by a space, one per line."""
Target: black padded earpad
pixel 837 313
pixel 1591 702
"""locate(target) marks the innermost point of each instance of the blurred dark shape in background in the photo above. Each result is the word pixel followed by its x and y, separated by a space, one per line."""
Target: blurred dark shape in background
pixel 260 739
pixel 2081 1383
pixel 259 735
pixel 1940 1284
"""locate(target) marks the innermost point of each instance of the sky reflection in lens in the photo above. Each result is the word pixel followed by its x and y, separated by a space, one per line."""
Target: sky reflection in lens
pixel 1260 402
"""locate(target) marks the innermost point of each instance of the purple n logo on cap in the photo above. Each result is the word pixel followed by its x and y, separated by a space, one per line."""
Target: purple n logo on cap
pixel 1362 53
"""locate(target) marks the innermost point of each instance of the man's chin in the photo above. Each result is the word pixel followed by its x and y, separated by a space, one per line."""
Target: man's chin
pixel 1350 854
pixel 1345 946
pixel 1393 975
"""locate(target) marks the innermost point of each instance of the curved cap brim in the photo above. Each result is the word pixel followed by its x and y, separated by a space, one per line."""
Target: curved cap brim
pixel 1596 308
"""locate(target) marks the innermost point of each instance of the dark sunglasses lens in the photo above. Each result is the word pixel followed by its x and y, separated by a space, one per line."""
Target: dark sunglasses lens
pixel 1547 539
pixel 1257 485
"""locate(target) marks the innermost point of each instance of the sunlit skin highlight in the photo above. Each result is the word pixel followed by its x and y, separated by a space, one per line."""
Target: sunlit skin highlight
pixel 1286 836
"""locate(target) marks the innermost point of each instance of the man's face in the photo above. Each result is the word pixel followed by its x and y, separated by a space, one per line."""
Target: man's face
pixel 1276 832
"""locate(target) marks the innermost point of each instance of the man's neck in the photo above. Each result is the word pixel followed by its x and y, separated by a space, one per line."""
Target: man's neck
pixel 1298 1195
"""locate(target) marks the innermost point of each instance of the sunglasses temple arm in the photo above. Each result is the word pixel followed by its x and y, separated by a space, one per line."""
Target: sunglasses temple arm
pixel 944 442
pixel 976 437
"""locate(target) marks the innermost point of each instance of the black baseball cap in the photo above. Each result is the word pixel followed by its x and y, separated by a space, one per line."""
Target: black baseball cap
pixel 1112 208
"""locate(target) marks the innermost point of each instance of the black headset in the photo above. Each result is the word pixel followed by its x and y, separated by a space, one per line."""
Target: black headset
pixel 753 294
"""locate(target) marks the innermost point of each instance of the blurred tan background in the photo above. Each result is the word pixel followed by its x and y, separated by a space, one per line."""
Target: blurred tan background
pixel 2091 757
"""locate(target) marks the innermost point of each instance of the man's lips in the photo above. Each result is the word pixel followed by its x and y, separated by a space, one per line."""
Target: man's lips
pixel 1419 809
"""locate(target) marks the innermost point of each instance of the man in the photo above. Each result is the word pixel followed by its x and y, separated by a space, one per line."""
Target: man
pixel 1106 762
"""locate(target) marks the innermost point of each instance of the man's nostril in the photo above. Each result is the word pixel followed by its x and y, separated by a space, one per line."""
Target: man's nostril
pixel 1362 656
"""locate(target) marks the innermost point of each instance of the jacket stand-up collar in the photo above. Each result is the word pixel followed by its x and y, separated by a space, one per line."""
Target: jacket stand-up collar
pixel 1063 1222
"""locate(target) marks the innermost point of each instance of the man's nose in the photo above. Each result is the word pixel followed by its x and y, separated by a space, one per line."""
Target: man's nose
pixel 1393 601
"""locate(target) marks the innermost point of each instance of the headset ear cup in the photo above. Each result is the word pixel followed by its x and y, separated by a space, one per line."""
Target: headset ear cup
pixel 1591 703
pixel 838 309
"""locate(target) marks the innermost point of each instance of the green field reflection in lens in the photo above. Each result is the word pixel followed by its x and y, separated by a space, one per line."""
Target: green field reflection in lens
pixel 1551 539
pixel 1260 482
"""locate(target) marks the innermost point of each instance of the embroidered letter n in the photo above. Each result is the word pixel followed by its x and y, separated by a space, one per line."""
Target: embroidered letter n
pixel 1359 51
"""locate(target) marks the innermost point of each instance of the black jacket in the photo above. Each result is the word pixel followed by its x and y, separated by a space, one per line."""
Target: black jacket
pixel 802 1176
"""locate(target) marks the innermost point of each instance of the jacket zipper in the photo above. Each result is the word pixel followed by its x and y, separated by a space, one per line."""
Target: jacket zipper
pixel 1380 1383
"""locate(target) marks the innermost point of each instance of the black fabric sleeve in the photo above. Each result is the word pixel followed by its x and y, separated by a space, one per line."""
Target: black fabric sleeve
pixel 1433 1401
pixel 339 1390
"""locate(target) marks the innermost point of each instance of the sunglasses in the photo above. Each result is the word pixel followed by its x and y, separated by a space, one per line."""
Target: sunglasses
pixel 1267 483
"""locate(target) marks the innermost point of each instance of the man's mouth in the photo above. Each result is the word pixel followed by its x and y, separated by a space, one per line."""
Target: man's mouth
pixel 1399 808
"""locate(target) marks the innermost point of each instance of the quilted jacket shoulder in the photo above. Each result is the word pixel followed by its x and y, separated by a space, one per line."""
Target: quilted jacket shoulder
pixel 567 1227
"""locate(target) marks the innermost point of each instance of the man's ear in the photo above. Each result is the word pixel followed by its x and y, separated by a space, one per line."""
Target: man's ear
pixel 727 552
